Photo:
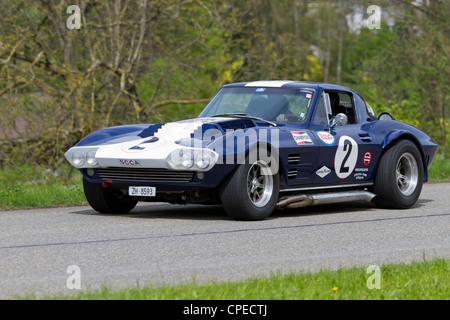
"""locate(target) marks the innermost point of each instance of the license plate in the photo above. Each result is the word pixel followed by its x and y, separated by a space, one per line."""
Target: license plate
pixel 142 191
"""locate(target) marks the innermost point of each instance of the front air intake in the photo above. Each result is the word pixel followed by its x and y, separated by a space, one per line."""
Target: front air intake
pixel 145 174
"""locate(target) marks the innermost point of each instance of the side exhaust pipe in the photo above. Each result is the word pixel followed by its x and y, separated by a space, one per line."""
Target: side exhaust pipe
pixel 303 200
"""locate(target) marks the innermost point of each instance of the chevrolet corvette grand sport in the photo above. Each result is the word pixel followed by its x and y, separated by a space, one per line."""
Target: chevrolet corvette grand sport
pixel 256 147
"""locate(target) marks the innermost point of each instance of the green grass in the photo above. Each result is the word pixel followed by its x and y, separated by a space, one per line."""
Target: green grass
pixel 29 187
pixel 424 280
pixel 440 169
pixel 42 196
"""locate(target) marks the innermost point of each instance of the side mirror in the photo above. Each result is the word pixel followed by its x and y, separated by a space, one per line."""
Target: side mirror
pixel 386 116
pixel 340 119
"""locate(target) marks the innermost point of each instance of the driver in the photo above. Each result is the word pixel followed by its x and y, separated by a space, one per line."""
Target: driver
pixel 285 114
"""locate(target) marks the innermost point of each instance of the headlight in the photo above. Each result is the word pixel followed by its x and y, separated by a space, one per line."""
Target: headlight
pixel 90 159
pixel 82 157
pixel 192 159
pixel 186 158
pixel 78 158
pixel 202 160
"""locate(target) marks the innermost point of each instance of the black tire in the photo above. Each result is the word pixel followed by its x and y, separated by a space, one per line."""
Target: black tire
pixel 107 200
pixel 250 195
pixel 399 178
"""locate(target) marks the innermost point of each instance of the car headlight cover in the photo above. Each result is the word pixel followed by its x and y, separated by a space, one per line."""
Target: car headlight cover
pixel 202 160
pixel 90 159
pixel 82 157
pixel 78 159
pixel 192 159
pixel 186 158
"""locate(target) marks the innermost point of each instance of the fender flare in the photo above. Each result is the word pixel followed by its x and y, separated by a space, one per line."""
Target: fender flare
pixel 397 135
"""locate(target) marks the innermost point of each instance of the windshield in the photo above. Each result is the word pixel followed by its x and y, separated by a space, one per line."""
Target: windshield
pixel 271 104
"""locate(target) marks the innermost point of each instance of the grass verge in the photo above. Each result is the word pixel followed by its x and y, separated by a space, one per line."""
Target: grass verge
pixel 42 196
pixel 424 280
pixel 439 170
pixel 30 187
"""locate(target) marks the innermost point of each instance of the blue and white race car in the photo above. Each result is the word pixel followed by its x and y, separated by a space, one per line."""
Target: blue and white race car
pixel 256 147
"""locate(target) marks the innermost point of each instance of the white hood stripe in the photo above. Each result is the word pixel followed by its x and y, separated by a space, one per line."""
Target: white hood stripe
pixel 176 130
pixel 270 84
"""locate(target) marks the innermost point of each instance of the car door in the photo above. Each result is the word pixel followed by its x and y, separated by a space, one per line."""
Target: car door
pixel 346 152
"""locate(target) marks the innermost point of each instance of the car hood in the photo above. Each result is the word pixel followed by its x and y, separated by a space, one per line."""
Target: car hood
pixel 195 128
pixel 149 145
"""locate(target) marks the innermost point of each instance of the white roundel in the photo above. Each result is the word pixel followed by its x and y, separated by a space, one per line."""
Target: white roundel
pixel 346 157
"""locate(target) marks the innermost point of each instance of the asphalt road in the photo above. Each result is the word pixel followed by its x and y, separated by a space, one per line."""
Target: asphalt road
pixel 162 243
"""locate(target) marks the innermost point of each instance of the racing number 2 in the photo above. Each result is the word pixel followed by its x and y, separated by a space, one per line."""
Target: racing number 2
pixel 347 145
pixel 346 156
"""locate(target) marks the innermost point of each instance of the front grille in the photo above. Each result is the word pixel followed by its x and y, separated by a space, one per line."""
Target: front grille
pixel 145 174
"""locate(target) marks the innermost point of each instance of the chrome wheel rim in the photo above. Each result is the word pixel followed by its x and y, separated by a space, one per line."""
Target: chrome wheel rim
pixel 259 185
pixel 407 174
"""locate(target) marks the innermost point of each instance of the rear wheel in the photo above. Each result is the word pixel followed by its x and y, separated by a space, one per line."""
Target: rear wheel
pixel 399 179
pixel 252 191
pixel 107 200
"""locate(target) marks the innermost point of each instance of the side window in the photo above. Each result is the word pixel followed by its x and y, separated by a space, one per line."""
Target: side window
pixel 322 111
pixel 362 105
pixel 372 114
pixel 346 101
pixel 342 102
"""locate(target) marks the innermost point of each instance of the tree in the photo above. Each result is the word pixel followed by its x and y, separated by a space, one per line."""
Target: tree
pixel 411 72
pixel 70 82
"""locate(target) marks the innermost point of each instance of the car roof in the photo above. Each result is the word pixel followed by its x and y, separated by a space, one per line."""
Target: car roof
pixel 289 84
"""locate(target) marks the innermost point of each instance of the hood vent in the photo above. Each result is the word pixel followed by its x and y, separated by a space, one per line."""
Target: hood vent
pixel 236 124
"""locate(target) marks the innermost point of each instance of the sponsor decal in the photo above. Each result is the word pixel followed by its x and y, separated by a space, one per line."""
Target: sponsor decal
pixel 301 137
pixel 326 137
pixel 129 163
pixel 367 158
pixel 361 173
pixel 323 172
pixel 345 157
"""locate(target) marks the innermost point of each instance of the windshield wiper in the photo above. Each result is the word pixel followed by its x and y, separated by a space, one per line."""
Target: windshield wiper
pixel 245 116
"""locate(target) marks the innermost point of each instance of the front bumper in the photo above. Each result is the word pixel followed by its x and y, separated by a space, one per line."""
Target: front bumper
pixel 165 180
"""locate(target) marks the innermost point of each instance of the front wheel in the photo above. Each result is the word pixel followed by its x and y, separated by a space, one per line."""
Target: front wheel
pixel 252 191
pixel 399 178
pixel 107 200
